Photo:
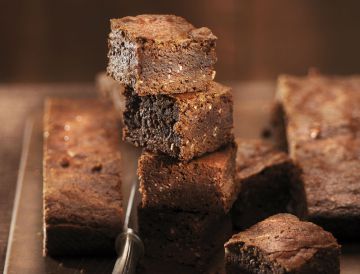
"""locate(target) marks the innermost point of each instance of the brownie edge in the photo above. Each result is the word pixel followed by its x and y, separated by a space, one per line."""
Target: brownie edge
pixel 82 199
pixel 161 54
pixel 283 244
pixel 204 184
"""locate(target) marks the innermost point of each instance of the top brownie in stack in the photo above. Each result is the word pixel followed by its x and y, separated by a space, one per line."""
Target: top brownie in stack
pixel 161 54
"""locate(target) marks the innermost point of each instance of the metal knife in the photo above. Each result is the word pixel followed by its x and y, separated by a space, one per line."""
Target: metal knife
pixel 129 246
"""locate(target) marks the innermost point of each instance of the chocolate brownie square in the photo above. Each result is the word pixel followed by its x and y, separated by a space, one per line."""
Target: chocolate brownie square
pixel 321 118
pixel 205 184
pixel 161 54
pixel 283 244
pixel 82 198
pixel 269 183
pixel 182 126
pixel 182 237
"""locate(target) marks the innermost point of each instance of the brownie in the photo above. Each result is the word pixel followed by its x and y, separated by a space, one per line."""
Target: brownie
pixel 111 92
pixel 269 182
pixel 182 237
pixel 321 117
pixel 161 54
pixel 205 184
pixel 282 244
pixel 82 198
pixel 182 126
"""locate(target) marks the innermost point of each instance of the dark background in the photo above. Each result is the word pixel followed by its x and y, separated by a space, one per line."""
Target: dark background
pixel 65 40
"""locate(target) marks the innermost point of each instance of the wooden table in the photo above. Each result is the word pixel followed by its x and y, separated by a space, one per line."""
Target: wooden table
pixel 17 102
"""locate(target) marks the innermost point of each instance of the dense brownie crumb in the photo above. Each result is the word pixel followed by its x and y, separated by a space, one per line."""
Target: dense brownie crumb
pixel 182 126
pixel 282 244
pixel 161 54
pixel 322 128
pixel 205 184
pixel 269 182
pixel 182 237
pixel 82 186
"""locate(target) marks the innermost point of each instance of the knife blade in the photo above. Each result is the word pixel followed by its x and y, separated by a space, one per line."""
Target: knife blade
pixel 128 244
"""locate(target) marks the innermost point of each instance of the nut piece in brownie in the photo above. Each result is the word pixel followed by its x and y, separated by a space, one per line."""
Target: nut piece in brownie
pixel 282 244
pixel 182 126
pixel 269 183
pixel 111 92
pixel 182 237
pixel 322 121
pixel 205 184
pixel 161 54
pixel 82 198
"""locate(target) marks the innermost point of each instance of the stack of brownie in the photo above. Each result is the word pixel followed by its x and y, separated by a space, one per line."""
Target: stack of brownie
pixel 183 120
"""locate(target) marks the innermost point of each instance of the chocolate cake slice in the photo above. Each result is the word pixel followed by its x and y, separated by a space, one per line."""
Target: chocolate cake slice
pixel 161 54
pixel 205 184
pixel 82 199
pixel 322 117
pixel 282 244
pixel 269 183
pixel 182 126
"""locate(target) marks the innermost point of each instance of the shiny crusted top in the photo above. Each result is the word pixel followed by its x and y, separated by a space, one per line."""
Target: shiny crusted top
pixel 323 126
pixel 160 28
pixel 253 156
pixel 285 239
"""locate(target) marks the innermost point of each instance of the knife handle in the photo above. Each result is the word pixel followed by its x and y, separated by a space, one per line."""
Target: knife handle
pixel 130 249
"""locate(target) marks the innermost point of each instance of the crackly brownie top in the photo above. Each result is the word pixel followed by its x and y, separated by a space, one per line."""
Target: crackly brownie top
pixel 81 163
pixel 160 28
pixel 319 107
pixel 285 239
pixel 253 156
pixel 323 126
pixel 81 136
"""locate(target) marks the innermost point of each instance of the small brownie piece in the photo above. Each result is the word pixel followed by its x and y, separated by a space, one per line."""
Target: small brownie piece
pixel 182 237
pixel 82 198
pixel 205 184
pixel 269 183
pixel 322 121
pixel 111 92
pixel 161 54
pixel 282 244
pixel 182 126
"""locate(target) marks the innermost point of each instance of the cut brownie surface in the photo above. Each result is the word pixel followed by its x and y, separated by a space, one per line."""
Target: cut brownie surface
pixel 82 187
pixel 205 184
pixel 269 183
pixel 322 121
pixel 182 126
pixel 182 237
pixel 161 54
pixel 282 244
